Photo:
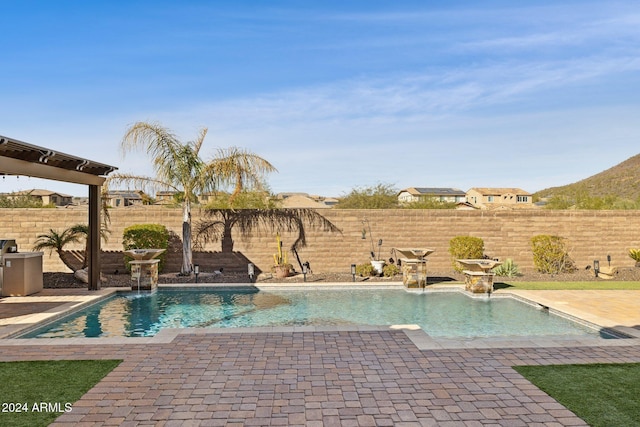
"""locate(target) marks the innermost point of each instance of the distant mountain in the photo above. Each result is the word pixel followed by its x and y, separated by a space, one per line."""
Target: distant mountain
pixel 622 180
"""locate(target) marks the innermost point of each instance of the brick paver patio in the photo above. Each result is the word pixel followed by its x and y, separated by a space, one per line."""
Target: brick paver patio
pixel 370 378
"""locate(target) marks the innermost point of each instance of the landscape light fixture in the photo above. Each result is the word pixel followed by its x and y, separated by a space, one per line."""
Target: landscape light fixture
pixel 251 271
pixel 596 266
pixel 304 271
pixel 609 260
pixel 353 272
pixel 196 271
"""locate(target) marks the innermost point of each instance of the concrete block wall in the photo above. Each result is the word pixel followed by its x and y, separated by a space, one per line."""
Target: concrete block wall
pixel 590 235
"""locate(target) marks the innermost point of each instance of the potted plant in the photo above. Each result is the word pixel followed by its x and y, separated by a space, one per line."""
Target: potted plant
pixel 281 267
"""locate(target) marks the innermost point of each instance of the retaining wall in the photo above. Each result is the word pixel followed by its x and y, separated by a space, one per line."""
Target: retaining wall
pixel 506 234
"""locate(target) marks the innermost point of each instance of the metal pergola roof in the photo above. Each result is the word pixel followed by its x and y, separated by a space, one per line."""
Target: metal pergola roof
pixel 20 158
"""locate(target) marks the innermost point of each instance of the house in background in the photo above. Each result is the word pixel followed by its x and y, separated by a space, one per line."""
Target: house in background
pixel 499 198
pixel 165 197
pixel 415 194
pixel 123 198
pixel 45 196
pixel 304 200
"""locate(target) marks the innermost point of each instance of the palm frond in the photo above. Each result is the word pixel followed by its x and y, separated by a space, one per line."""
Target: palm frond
pixel 143 183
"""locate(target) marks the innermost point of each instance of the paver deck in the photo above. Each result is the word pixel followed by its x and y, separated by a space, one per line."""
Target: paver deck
pixel 363 377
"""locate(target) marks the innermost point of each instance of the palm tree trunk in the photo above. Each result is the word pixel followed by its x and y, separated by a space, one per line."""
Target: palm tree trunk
pixel 187 256
pixel 69 261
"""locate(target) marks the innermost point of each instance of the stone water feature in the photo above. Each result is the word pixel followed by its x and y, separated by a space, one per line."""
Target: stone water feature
pixel 414 266
pixel 478 277
pixel 144 268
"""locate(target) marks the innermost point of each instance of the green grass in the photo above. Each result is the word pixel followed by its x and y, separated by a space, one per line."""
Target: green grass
pixel 24 385
pixel 506 284
pixel 601 394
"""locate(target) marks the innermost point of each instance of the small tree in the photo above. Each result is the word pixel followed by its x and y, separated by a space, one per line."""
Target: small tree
pixel 550 254
pixel 145 236
pixel 380 196
pixel 57 241
pixel 465 247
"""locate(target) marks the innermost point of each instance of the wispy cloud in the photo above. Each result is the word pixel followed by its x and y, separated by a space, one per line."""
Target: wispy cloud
pixel 421 94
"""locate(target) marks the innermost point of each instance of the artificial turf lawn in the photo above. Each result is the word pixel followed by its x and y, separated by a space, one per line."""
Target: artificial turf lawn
pixel 601 394
pixel 36 393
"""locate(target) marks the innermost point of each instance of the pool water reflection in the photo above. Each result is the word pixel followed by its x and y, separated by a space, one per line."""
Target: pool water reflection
pixel 439 314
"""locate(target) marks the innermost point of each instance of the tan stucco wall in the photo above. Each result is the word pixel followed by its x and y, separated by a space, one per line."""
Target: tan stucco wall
pixel 590 234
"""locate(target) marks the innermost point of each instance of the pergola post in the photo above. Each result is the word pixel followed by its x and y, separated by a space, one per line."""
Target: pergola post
pixel 94 238
pixel 20 158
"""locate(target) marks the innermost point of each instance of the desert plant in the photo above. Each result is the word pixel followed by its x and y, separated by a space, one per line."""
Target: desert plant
pixel 634 254
pixel 390 270
pixel 380 196
pixel 550 254
pixel 507 269
pixel 57 241
pixel 145 236
pixel 281 265
pixel 465 247
pixel 280 257
pixel 365 270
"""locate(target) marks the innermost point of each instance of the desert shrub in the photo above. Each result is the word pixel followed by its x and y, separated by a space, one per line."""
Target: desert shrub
pixel 365 270
pixel 507 269
pixel 550 254
pixel 465 247
pixel 634 254
pixel 390 270
pixel 145 236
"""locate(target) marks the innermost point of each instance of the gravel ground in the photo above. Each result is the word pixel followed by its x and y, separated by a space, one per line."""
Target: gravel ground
pixel 66 280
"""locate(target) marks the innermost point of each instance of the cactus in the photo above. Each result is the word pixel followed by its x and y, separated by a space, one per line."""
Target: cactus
pixel 280 258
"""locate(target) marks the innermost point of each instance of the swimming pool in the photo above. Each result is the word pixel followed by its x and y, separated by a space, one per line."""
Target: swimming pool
pixel 439 314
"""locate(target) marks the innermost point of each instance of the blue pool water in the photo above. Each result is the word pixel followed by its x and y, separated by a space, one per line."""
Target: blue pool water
pixel 440 314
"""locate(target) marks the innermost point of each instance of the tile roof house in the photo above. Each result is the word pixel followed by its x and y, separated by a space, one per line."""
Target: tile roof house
pixel 414 194
pixel 499 198
pixel 165 197
pixel 46 196
pixel 304 200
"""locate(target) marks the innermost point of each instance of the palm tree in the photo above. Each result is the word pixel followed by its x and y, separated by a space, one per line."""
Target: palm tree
pixel 179 167
pixel 57 241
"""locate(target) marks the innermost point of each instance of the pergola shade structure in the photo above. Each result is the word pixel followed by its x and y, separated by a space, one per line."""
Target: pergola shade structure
pixel 20 158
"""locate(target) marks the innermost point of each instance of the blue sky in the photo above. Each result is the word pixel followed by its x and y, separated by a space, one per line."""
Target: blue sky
pixel 336 94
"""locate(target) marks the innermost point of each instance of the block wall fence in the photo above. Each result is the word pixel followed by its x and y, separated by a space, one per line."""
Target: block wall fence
pixel 590 235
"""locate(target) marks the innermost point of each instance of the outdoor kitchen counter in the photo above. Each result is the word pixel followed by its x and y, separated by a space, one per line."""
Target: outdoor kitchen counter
pixel 21 273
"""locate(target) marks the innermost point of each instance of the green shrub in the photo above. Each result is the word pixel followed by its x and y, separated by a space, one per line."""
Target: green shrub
pixel 365 270
pixel 634 254
pixel 507 269
pixel 145 236
pixel 465 247
pixel 550 254
pixel 390 270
